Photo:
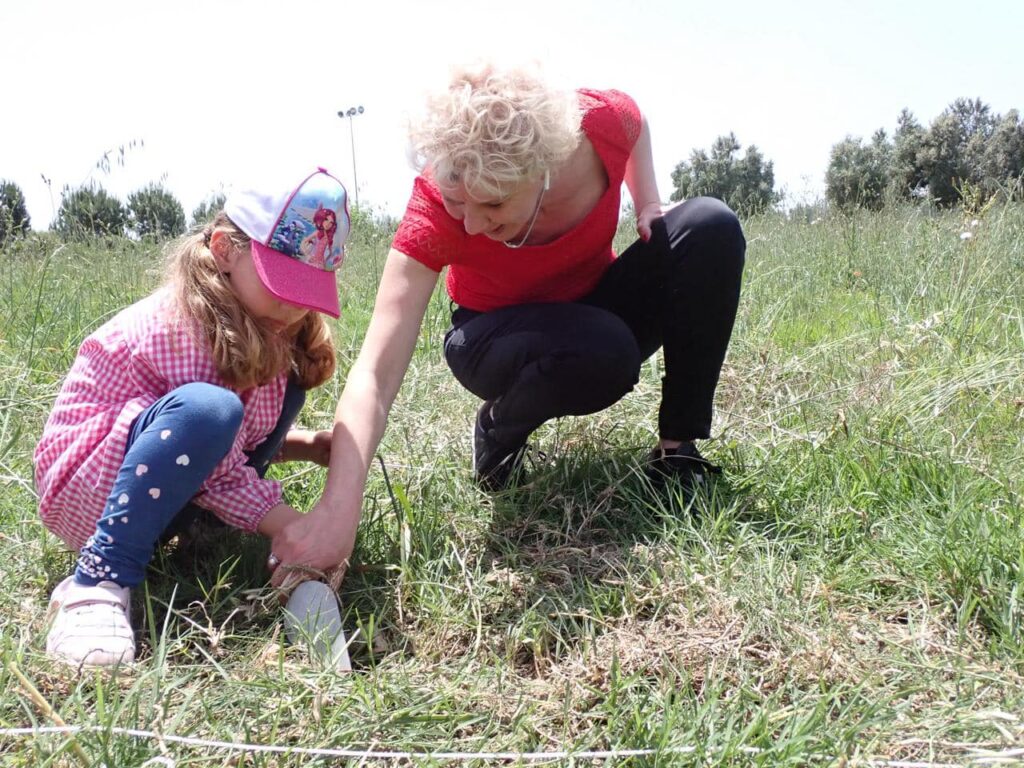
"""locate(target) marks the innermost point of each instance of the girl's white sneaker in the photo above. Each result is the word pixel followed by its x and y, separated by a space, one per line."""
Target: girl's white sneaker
pixel 91 626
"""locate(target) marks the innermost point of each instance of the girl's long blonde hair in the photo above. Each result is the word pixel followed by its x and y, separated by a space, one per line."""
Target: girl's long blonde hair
pixel 245 352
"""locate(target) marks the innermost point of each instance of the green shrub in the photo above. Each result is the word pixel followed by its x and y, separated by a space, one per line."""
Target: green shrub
pixel 90 210
pixel 14 218
pixel 207 209
pixel 155 212
pixel 858 174
pixel 746 184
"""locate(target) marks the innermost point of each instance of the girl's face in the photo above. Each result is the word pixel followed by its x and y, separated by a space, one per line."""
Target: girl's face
pixel 329 222
pixel 238 267
pixel 497 217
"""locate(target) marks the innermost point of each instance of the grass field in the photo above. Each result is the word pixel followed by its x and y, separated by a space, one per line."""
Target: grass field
pixel 852 591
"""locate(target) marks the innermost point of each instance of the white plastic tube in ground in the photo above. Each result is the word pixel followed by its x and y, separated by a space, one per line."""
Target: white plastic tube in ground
pixel 312 618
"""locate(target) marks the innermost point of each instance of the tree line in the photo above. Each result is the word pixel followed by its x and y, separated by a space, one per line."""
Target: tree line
pixel 968 154
pixel 150 212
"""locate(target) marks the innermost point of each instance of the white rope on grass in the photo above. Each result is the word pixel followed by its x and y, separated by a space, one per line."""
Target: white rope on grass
pixel 534 757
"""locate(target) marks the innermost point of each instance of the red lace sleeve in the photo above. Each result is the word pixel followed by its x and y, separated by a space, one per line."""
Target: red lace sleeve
pixel 612 122
pixel 628 113
pixel 611 117
pixel 427 233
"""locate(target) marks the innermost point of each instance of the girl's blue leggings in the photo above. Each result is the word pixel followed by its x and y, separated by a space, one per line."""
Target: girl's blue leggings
pixel 155 485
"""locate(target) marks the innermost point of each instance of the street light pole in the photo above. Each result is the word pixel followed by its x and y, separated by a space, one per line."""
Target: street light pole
pixel 350 113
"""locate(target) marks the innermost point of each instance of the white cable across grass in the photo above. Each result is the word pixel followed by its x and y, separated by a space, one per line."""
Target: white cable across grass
pixel 531 757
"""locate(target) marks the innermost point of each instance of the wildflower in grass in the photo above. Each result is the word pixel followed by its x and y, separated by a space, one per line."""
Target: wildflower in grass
pixel 966 235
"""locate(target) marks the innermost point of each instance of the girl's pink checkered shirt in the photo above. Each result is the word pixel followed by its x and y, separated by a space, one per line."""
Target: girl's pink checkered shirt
pixel 122 368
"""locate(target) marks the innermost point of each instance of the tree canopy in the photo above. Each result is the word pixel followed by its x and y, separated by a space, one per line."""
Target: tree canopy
pixel 967 150
pixel 90 210
pixel 155 212
pixel 207 209
pixel 746 184
pixel 14 218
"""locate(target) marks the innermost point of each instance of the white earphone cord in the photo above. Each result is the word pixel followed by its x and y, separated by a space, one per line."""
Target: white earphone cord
pixel 536 211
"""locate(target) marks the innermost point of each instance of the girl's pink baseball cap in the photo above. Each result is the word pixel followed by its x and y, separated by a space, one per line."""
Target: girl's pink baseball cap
pixel 298 238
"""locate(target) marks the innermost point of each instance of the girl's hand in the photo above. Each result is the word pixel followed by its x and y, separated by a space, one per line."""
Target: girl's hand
pixel 647 214
pixel 306 445
pixel 276 519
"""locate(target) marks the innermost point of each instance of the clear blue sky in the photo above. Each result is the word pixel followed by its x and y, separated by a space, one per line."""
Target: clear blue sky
pixel 218 90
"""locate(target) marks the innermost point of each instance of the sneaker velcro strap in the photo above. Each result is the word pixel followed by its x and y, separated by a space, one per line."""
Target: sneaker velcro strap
pixel 82 595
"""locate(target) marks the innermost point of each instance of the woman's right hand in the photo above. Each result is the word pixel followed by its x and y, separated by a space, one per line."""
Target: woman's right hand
pixel 322 539
pixel 325 537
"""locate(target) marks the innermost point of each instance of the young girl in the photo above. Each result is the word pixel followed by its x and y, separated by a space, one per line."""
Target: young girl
pixel 181 401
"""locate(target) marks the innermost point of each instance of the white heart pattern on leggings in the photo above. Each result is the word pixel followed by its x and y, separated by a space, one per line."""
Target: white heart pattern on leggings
pixel 154 492
pixel 164 434
pixel 182 460
pixel 122 499
pixel 140 470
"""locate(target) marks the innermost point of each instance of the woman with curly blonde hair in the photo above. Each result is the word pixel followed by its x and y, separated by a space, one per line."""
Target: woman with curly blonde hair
pixel 177 405
pixel 518 197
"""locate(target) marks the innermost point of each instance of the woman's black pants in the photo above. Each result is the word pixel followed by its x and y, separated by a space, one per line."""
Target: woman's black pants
pixel 678 291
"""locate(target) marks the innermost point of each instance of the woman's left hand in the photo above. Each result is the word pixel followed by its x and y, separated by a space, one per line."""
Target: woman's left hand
pixel 646 215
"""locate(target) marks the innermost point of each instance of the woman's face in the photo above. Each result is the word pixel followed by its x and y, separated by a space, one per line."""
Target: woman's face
pixel 497 217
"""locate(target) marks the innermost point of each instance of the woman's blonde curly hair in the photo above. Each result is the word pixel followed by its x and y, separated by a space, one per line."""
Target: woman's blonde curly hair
pixel 245 352
pixel 494 128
